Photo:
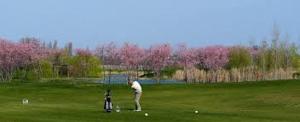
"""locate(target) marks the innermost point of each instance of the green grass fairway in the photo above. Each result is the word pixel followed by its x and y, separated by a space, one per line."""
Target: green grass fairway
pixel 271 101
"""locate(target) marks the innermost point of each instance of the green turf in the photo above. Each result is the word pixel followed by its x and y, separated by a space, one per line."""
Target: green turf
pixel 61 102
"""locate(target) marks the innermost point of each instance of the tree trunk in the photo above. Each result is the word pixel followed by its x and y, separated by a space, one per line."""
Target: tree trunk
pixel 137 73
pixel 185 75
pixel 158 77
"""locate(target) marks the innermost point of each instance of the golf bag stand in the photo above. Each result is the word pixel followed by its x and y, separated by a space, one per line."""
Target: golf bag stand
pixel 108 102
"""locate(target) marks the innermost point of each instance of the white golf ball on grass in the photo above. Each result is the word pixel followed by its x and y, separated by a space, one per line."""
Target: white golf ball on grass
pixel 25 101
pixel 196 112
pixel 146 114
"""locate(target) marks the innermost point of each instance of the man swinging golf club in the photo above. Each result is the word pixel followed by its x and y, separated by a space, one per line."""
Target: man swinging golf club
pixel 137 93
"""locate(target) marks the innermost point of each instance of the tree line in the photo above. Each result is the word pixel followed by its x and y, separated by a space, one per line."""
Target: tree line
pixel 31 59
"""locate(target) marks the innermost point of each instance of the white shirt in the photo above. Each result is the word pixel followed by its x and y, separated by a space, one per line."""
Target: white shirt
pixel 136 85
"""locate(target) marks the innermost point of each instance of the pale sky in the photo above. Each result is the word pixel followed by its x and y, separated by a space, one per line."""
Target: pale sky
pixel 197 22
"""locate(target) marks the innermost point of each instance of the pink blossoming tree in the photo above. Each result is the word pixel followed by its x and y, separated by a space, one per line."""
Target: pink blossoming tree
pixel 14 56
pixel 132 56
pixel 185 57
pixel 158 57
pixel 213 57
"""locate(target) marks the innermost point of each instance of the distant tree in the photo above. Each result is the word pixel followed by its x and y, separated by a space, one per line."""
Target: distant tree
pixel 55 45
pixel 19 56
pixel 46 68
pixel 8 61
pixel 262 61
pixel 85 64
pixel 294 57
pixel 50 46
pixel 158 57
pixel 33 52
pixel 213 57
pixel 109 54
pixel 239 57
pixel 69 49
pixel 132 56
pixel 274 57
pixel 30 40
pixel 185 57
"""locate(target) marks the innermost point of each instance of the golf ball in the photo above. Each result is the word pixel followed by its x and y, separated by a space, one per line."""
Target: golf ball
pixel 196 112
pixel 25 101
pixel 146 114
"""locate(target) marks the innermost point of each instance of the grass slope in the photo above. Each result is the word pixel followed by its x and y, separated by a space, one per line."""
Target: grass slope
pixel 80 102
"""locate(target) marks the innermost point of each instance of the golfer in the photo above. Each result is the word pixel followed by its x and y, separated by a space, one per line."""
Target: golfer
pixel 137 93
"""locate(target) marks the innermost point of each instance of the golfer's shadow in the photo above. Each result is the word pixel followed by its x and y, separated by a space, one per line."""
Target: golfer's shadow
pixel 131 109
pixel 126 109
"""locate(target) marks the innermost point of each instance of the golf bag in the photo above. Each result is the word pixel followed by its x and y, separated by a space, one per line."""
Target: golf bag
pixel 107 102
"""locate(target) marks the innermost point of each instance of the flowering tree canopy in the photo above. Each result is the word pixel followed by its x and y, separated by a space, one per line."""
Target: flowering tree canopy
pixel 158 57
pixel 16 55
pixel 131 55
pixel 108 53
pixel 185 57
pixel 213 57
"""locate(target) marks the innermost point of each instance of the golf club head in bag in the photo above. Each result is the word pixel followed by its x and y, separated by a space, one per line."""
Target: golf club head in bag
pixel 108 102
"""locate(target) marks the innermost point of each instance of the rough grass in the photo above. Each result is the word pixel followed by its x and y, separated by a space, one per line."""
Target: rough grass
pixel 271 101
